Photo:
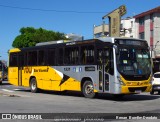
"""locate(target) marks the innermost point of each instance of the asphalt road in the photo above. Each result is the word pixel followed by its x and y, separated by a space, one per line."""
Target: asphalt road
pixel 20 100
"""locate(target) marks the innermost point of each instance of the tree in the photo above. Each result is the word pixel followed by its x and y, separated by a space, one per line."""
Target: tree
pixel 30 36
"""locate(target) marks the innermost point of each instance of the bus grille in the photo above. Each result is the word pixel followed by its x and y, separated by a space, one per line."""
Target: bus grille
pixel 139 88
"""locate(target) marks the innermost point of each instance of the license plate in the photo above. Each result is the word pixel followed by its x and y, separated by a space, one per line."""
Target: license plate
pixel 138 91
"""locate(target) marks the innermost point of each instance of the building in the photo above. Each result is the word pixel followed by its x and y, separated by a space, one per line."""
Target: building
pixel 126 30
pixel 147 26
pixel 101 30
pixel 127 27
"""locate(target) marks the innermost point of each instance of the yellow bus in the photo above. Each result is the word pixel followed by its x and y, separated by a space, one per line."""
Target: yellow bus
pixel 111 65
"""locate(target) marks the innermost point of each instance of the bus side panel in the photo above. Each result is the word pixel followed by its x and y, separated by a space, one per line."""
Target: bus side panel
pixel 13 75
pixel 72 76
pixel 71 84
pixel 56 78
pixel 49 77
pixel 26 73
pixel 42 76
pixel 65 81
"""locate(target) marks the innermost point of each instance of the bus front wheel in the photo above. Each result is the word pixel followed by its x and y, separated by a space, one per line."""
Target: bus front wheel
pixel 33 85
pixel 88 89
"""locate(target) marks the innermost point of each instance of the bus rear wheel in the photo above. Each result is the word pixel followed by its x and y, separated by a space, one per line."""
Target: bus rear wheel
pixel 33 85
pixel 88 89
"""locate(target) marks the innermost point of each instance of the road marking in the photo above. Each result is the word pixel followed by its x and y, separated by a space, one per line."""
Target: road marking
pixel 17 89
pixel 15 94
pixel 7 90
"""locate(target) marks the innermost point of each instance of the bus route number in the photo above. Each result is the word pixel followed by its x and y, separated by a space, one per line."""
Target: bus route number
pixel 67 69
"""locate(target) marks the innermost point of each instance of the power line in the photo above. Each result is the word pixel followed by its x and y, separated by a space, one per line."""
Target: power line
pixel 51 10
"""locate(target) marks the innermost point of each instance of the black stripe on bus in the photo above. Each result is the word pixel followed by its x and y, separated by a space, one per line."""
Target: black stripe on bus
pixel 65 78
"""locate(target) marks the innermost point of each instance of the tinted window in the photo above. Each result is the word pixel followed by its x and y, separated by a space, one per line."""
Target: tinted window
pixel 157 75
pixel 60 56
pixel 41 59
pixel 87 54
pixel 71 55
pixel 13 59
pixel 51 57
pixel 32 58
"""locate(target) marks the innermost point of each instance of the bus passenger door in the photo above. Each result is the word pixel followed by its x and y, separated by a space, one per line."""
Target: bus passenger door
pixel 20 61
pixel 104 68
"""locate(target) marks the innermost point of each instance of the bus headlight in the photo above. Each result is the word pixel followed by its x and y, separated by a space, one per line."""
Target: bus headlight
pixel 120 81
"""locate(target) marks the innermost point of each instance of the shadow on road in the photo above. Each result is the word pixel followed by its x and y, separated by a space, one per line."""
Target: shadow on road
pixel 126 98
pixel 5 83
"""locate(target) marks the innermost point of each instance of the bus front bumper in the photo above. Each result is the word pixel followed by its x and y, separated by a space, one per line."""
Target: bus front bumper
pixel 135 89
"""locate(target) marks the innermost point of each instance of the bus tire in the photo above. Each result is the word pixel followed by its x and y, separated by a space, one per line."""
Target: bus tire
pixel 33 85
pixel 88 89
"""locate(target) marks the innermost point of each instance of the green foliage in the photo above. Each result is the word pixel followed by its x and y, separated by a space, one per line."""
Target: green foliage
pixel 30 36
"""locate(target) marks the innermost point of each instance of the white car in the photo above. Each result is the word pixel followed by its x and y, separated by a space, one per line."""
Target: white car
pixel 156 83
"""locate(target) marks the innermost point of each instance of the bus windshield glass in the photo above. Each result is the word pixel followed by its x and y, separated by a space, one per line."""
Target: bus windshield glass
pixel 133 61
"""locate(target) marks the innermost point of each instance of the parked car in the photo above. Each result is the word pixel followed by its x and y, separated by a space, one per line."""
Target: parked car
pixel 156 83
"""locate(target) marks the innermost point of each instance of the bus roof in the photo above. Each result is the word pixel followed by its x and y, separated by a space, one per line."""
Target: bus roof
pixel 60 43
pixel 14 50
pixel 111 39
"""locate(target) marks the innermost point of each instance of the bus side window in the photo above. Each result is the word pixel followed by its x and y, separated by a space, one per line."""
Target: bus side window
pixel 71 55
pixel 67 56
pixel 32 58
pixel 13 59
pixel 87 54
pixel 60 56
pixel 74 55
pixel 21 59
pixel 41 58
pixel 51 57
pixel 25 59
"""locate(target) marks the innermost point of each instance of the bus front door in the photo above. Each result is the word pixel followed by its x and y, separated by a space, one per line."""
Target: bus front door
pixel 104 69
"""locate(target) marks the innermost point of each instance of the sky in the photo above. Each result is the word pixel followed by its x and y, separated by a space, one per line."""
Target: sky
pixel 66 16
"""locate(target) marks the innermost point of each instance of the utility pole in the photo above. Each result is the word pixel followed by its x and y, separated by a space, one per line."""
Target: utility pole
pixel 115 20
pixel 103 29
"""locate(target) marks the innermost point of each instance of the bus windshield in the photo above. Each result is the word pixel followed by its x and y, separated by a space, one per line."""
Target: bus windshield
pixel 133 61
